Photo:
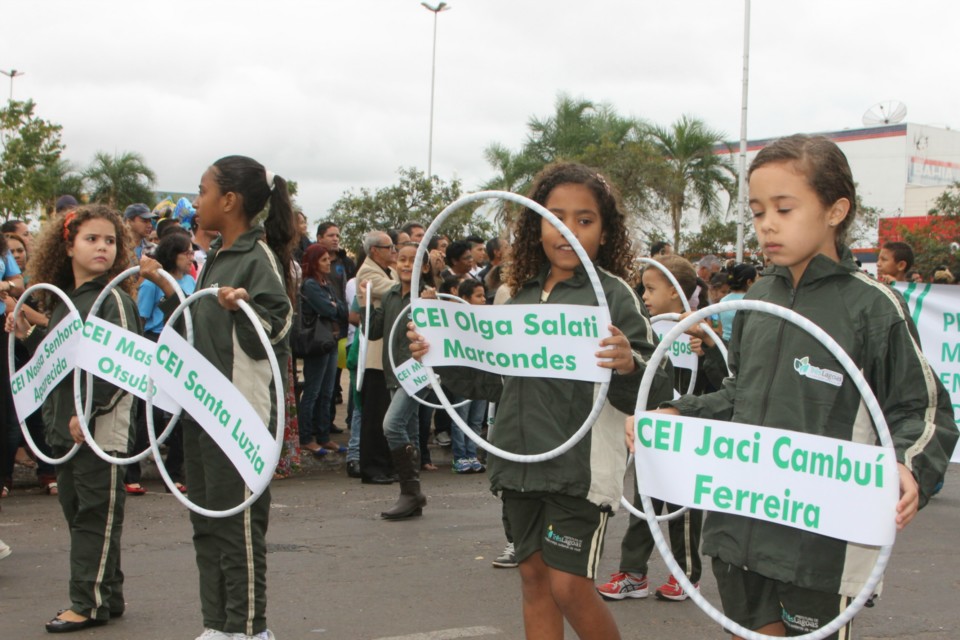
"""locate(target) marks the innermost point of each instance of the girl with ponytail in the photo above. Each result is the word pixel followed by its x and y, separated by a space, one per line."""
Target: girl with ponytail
pixel 248 262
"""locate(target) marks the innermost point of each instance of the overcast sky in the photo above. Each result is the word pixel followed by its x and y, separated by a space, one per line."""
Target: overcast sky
pixel 336 95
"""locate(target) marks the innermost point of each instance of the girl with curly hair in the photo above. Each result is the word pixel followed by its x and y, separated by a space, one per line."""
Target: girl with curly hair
pixel 80 253
pixel 557 510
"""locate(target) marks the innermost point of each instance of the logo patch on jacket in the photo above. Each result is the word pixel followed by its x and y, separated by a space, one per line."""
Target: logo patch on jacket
pixel 807 370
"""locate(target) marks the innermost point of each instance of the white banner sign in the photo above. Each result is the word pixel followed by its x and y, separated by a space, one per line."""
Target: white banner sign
pixel 412 376
pixel 217 406
pixel 680 354
pixel 529 340
pixel 822 485
pixel 935 309
pixel 122 358
pixel 51 363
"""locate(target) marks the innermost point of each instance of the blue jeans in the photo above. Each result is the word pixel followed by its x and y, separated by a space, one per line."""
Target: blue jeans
pixel 356 419
pixel 319 376
pixel 473 414
pixel 401 422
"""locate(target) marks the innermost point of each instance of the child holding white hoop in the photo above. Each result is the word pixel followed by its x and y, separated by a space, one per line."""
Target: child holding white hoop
pixel 630 579
pixel 557 510
pixel 80 253
pixel 252 263
pixel 779 580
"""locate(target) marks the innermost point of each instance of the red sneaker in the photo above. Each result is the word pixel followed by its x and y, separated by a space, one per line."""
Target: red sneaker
pixel 672 591
pixel 624 585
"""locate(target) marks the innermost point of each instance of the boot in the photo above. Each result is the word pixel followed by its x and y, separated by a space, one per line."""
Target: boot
pixel 421 498
pixel 411 501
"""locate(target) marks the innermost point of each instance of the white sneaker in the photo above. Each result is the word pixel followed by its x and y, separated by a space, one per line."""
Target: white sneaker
pixel 5 550
pixel 263 635
pixel 213 634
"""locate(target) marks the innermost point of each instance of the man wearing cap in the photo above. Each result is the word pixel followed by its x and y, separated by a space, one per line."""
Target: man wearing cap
pixel 139 219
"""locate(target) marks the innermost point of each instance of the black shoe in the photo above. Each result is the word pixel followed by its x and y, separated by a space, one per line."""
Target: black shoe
pixel 65 626
pixel 334 429
pixel 380 479
pixel 353 468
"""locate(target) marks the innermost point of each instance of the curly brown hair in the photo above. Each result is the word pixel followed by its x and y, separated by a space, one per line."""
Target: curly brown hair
pixel 527 256
pixel 50 263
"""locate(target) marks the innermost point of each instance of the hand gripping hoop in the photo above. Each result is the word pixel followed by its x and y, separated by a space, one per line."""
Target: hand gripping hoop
pixel 277 389
pixel 674 317
pixel 11 339
pixel 604 313
pixel 393 364
pixel 880 424
pixel 83 412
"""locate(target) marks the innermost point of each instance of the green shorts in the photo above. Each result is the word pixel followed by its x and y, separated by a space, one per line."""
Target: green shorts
pixel 568 531
pixel 753 601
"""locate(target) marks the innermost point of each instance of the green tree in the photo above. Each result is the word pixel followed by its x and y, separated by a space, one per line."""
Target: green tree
pixel 31 152
pixel 948 202
pixel 695 173
pixel 579 131
pixel 120 180
pixel 414 197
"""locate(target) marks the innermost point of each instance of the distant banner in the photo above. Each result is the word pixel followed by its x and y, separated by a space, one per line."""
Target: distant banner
pixel 122 358
pixel 51 363
pixel 528 340
pixel 831 487
pixel 935 309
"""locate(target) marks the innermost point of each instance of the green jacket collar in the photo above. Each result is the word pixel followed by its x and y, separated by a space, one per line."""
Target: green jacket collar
pixel 247 240
pixel 579 277
pixel 820 268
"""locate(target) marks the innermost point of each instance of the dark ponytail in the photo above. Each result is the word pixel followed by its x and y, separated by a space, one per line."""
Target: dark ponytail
pixel 248 178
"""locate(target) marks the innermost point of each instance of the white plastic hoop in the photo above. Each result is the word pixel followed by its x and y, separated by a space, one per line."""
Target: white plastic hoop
pixel 362 353
pixel 84 411
pixel 278 390
pixel 11 339
pixel 880 424
pixel 673 317
pixel 603 312
pixel 393 364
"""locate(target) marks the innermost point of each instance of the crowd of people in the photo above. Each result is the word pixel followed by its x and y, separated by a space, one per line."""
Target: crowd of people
pixel 803 202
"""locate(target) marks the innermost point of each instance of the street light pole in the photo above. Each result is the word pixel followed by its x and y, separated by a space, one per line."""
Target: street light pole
pixel 13 73
pixel 443 6
pixel 742 177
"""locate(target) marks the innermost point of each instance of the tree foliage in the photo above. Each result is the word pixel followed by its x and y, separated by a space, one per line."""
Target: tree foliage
pixel 29 161
pixel 414 197
pixel 719 238
pixel 120 180
pixel 655 168
pixel 694 172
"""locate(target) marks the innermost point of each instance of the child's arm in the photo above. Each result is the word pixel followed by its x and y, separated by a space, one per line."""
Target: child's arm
pixel 629 317
pixel 266 295
pixel 918 409
pixel 377 323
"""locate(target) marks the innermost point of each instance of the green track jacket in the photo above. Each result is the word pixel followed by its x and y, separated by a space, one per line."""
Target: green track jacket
pixel 535 415
pixel 871 323
pixel 227 338
pixel 112 420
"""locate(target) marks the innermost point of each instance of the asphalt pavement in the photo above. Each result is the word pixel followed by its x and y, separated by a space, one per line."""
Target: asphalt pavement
pixel 337 571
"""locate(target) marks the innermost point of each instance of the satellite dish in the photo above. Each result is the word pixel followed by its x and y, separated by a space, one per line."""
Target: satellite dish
pixel 888 112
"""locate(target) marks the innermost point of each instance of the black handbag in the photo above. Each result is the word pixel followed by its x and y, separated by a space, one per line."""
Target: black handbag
pixel 310 336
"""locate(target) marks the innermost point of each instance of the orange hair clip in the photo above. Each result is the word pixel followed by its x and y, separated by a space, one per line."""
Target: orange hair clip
pixel 67 219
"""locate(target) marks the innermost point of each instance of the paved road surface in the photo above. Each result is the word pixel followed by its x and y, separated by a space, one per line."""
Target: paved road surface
pixel 336 571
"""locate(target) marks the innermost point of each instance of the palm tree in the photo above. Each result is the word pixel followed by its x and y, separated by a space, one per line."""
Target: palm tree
pixel 693 169
pixel 120 180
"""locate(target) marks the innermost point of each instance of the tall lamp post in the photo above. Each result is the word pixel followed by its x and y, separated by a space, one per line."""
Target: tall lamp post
pixel 13 73
pixel 443 6
pixel 742 196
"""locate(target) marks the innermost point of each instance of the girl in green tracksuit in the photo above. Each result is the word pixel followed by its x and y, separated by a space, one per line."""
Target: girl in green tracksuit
pixel 557 510
pixel 251 263
pixel 80 253
pixel 776 579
